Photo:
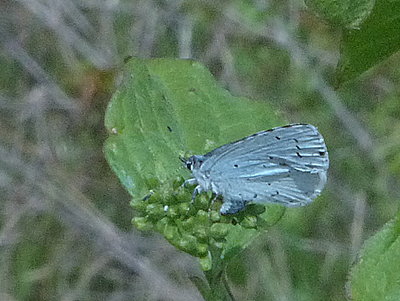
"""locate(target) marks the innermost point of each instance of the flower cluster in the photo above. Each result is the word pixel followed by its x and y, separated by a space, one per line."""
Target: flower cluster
pixel 195 226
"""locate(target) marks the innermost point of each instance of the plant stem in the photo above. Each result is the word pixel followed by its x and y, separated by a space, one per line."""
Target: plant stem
pixel 219 289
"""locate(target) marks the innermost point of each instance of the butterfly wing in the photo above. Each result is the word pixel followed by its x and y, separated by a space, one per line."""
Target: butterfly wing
pixel 285 165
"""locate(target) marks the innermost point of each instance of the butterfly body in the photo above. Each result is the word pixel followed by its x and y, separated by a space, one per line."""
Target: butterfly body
pixel 285 165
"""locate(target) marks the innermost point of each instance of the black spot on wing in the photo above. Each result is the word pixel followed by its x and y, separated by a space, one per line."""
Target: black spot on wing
pixel 275 194
pixel 298 154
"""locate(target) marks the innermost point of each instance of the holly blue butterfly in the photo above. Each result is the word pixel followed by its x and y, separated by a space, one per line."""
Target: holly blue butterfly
pixel 284 165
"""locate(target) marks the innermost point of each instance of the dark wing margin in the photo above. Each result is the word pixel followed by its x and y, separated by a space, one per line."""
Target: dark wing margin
pixel 300 146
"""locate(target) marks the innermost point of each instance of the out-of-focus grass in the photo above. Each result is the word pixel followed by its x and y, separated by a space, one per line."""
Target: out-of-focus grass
pixel 65 220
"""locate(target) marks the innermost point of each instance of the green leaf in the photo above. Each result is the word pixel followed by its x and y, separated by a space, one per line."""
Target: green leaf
pixel 163 109
pixel 166 108
pixel 344 13
pixel 376 276
pixel 241 237
pixel 377 39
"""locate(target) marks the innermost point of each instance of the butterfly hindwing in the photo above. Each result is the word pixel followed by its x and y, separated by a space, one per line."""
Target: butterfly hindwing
pixel 285 165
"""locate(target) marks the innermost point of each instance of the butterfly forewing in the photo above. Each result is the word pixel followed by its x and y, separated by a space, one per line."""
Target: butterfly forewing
pixel 286 165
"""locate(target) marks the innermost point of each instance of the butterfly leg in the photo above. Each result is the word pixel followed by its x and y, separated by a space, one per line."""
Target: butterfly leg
pixel 196 191
pixel 189 182
pixel 213 201
pixel 151 192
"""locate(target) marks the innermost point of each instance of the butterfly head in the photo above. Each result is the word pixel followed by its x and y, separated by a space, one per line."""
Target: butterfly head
pixel 193 162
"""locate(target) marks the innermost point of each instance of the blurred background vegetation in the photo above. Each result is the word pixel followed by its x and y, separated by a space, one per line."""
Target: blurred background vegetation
pixel 65 219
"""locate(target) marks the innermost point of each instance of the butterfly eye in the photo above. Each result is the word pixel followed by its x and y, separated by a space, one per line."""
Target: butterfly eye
pixel 199 163
pixel 189 165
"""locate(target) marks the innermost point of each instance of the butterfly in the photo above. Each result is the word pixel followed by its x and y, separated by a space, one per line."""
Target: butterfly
pixel 285 165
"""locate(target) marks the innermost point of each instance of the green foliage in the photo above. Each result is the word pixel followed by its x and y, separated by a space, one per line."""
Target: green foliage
pixel 376 39
pixel 33 252
pixel 158 115
pixel 346 13
pixel 251 48
pixel 164 109
pixel 370 32
pixel 376 275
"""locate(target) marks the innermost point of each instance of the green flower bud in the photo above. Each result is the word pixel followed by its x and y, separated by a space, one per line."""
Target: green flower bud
pixel 183 208
pixel 249 222
pixel 141 223
pixel 155 197
pixel 189 224
pixel 203 217
pixel 201 250
pixel 202 202
pixel 215 216
pixel 183 195
pixel 177 183
pixel 219 231
pixel 139 205
pixel 188 243
pixel 226 219
pixel 155 211
pixel 161 224
pixel 206 262
pixel 201 232
pixel 171 232
pixel 172 211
